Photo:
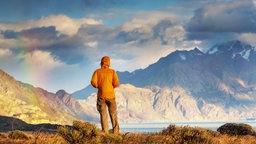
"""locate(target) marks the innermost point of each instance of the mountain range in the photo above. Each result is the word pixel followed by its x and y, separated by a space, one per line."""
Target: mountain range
pixel 227 71
pixel 217 85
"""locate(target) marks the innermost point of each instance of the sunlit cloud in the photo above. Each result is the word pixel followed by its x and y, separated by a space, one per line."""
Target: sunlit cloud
pixel 249 38
pixel 38 65
pixel 5 52
pixel 42 61
pixel 64 24
pixel 91 44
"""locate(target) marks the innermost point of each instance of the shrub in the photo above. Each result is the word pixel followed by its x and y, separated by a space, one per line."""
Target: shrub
pixel 17 135
pixel 80 133
pixel 186 134
pixel 236 129
pixel 111 139
pixel 2 136
pixel 87 129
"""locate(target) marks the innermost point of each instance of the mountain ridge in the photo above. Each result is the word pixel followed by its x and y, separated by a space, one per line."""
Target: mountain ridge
pixel 198 72
pixel 189 86
pixel 36 105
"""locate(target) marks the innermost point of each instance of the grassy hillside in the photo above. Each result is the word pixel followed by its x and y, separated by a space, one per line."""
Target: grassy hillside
pixel 8 124
pixel 33 105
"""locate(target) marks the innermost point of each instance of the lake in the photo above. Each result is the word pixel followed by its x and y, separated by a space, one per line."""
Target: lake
pixel 159 126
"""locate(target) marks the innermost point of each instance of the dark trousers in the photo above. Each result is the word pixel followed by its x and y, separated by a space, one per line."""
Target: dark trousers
pixel 102 105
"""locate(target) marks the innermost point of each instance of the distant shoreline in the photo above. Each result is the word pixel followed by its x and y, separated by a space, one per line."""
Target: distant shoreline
pixel 142 127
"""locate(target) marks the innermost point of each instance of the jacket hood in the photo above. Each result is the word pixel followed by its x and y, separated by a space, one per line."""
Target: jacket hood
pixel 105 61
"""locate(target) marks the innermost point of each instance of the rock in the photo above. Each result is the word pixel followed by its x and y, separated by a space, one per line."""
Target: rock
pixel 236 129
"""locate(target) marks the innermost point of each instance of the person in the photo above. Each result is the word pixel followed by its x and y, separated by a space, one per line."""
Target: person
pixel 106 79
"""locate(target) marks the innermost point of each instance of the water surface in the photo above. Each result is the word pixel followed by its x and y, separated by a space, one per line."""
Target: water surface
pixel 159 126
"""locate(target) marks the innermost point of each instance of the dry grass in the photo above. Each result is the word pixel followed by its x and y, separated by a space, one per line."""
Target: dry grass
pixel 84 132
pixel 34 138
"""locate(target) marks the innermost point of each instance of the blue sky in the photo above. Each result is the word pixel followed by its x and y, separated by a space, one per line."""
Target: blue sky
pixel 57 44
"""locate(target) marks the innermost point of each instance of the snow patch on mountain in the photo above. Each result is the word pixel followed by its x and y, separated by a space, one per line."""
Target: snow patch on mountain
pixel 234 47
pixel 183 57
pixel 246 54
pixel 213 50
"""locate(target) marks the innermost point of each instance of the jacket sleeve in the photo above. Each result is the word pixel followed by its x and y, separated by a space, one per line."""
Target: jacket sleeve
pixel 94 80
pixel 115 82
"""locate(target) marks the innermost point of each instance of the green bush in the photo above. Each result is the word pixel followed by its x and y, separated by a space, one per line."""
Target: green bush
pixel 236 129
pixel 17 135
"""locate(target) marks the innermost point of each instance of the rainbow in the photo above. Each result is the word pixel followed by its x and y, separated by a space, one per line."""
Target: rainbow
pixel 29 69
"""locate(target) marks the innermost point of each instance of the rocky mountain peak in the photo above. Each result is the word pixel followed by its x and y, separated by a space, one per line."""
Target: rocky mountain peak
pixel 233 47
pixel 69 101
pixel 64 96
pixel 196 51
pixel 180 55
pixel 61 92
pixel 185 54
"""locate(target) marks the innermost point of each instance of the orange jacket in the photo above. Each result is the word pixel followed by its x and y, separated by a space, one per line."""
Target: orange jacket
pixel 105 79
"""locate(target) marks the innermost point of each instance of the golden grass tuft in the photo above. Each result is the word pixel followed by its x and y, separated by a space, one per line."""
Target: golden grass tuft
pixel 18 135
pixel 186 134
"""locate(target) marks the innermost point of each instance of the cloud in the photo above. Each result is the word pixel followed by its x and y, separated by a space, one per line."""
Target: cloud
pixel 27 37
pixel 211 36
pixel 5 52
pixel 156 34
pixel 42 61
pixel 91 44
pixel 39 65
pixel 6 43
pixel 248 37
pixel 62 23
pixel 83 41
pixel 34 37
pixel 234 16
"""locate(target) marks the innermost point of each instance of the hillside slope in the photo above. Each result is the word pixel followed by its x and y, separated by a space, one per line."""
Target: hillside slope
pixel 35 105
